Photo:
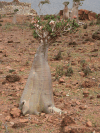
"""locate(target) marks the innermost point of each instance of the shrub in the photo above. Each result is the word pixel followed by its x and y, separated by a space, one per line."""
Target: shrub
pixel 69 72
pixel 83 63
pixel 85 26
pixel 59 71
pixel 58 56
pixel 35 34
pixel 0 24
pixel 98 20
pixel 87 70
pixel 91 23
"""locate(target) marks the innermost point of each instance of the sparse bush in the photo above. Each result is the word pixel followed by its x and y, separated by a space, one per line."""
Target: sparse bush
pixel 0 16
pixel 91 23
pixel 31 26
pixel 59 71
pixel 47 17
pixel 87 70
pixel 0 24
pixel 83 63
pixel 58 56
pixel 69 72
pixel 35 34
pixel 85 26
pixel 98 21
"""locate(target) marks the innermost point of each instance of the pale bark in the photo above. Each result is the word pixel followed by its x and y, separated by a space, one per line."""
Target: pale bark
pixel 38 94
pixel 65 13
pixel 75 11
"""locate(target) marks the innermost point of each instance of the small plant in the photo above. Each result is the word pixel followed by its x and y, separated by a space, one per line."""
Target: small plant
pixel 35 34
pixel 91 23
pixel 59 71
pixel 98 21
pixel 85 26
pixel 16 10
pixel 69 72
pixel 87 71
pixel 58 17
pixel 0 24
pixel 83 63
pixel 47 17
pixel 0 16
pixel 31 26
pixel 58 56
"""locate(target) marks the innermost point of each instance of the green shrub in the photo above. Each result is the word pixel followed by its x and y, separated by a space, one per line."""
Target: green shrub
pixel 69 72
pixel 47 17
pixel 85 26
pixel 59 71
pixel 58 56
pixel 31 26
pixel 87 70
pixel 0 24
pixel 91 23
pixel 35 34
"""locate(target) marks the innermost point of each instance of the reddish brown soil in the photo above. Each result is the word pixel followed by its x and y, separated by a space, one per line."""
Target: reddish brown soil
pixel 17 49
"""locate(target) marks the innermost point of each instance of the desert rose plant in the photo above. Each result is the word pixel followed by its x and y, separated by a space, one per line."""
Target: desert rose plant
pixel 37 96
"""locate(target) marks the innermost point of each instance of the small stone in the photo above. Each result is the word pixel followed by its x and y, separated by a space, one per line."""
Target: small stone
pixel 15 112
pixel 82 74
pixel 91 97
pixel 89 124
pixel 85 93
pixel 61 80
pixel 67 120
pixel 66 129
pixel 98 96
pixel 12 123
pixel 83 107
pixel 8 118
pixel 0 40
pixel 23 120
pixel 77 102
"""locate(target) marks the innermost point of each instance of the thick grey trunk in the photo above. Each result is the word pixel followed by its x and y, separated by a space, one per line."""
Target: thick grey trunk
pixel 38 94
pixel 75 11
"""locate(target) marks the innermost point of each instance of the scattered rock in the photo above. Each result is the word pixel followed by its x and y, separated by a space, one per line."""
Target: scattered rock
pixel 0 40
pixel 72 43
pixel 91 97
pixel 83 107
pixel 15 112
pixel 82 74
pixel 89 124
pixel 12 78
pixel 10 41
pixel 85 93
pixel 96 36
pixel 23 120
pixel 8 118
pixel 67 120
pixel 98 96
pixel 55 93
pixel 61 80
pixel 19 125
pixel 88 84
pixel 12 123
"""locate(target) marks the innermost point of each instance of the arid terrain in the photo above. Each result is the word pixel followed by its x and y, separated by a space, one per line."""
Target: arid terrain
pixel 76 92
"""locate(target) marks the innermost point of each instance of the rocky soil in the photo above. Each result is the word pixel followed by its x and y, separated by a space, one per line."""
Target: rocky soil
pixel 76 92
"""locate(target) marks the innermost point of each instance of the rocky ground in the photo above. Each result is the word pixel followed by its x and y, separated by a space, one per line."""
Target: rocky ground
pixel 76 92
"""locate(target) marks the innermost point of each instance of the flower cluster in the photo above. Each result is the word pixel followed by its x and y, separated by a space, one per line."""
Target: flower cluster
pixel 52 22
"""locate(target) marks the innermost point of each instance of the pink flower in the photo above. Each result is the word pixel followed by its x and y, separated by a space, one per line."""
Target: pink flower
pixel 41 27
pixel 74 17
pixel 52 22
